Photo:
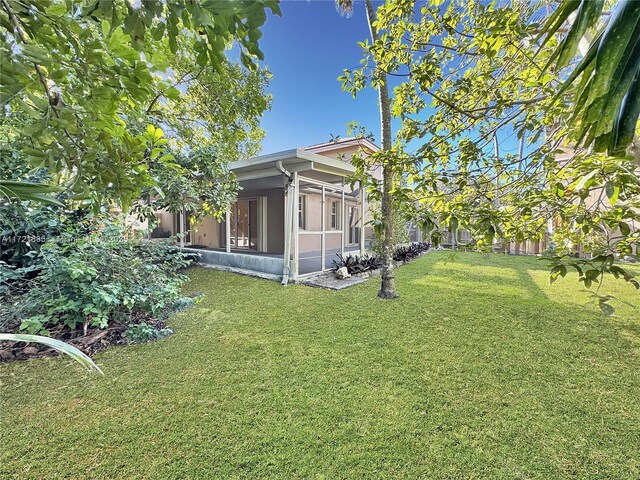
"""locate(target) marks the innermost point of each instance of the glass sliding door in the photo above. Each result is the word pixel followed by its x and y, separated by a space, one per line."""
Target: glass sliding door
pixel 253 224
pixel 354 225
pixel 244 224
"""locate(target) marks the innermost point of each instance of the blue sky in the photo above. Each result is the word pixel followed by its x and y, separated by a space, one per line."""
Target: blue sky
pixel 306 50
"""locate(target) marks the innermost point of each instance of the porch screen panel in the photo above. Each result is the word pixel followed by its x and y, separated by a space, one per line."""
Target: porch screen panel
pixel 333 247
pixel 310 255
pixel 310 228
pixel 323 225
pixel 253 224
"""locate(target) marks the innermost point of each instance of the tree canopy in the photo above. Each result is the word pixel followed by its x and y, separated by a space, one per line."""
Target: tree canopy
pixel 469 77
pixel 88 78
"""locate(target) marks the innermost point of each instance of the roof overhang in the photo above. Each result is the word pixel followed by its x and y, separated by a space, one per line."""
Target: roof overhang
pixel 295 160
pixel 344 143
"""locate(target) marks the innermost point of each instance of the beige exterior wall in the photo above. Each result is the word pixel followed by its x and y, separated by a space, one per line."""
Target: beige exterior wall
pixel 207 233
pixel 166 221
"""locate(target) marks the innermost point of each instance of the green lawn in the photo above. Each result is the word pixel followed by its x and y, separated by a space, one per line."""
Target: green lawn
pixel 480 370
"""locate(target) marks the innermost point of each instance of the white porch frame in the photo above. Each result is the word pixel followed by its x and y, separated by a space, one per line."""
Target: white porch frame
pixel 290 166
pixel 182 221
pixel 324 187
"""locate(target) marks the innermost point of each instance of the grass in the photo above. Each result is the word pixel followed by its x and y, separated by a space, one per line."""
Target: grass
pixel 480 370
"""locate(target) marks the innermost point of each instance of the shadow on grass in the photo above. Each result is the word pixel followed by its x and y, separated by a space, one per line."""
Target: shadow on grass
pixel 519 285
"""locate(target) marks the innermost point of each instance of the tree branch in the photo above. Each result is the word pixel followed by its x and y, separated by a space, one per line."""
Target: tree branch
pixel 161 92
pixel 21 36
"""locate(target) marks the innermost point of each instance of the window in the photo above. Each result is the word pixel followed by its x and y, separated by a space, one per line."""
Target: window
pixel 302 212
pixel 334 215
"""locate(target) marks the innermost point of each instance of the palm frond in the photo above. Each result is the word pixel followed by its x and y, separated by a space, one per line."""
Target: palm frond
pixel 605 108
pixel 38 192
pixel 58 345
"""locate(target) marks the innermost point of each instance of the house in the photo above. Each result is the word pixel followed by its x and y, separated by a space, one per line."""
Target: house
pixel 295 210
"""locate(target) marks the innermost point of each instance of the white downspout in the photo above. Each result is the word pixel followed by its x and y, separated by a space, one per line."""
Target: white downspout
pixel 323 224
pixel 182 229
pixel 295 226
pixel 343 219
pixel 286 257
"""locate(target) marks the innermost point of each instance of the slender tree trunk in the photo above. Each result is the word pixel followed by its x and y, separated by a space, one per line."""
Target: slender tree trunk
pixel 388 286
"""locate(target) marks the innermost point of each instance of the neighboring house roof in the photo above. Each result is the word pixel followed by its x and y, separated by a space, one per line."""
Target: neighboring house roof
pixel 342 143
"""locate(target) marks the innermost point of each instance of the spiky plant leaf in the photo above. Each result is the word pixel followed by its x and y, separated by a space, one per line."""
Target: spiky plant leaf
pixel 605 99
pixel 29 191
pixel 58 345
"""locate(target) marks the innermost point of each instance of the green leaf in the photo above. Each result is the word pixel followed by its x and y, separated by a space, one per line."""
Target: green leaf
pixel 172 93
pixel 106 28
pixel 627 119
pixel 29 191
pixel 56 9
pixel 36 53
pixel 624 228
pixel 612 192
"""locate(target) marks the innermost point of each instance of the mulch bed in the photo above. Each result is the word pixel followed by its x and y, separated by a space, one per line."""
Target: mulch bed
pixel 94 341
pixel 90 342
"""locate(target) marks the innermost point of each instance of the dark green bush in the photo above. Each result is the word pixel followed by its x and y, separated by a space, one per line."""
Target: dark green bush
pixel 143 332
pixel 94 281
pixel 406 253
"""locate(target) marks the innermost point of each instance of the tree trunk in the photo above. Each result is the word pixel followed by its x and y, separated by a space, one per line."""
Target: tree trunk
pixel 388 286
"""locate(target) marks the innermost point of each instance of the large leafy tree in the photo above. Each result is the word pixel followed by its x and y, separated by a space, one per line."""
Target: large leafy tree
pixel 470 76
pixel 213 121
pixel 384 157
pixel 88 75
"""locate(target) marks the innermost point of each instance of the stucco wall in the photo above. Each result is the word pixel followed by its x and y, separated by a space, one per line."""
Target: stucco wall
pixel 207 233
pixel 166 220
pixel 310 242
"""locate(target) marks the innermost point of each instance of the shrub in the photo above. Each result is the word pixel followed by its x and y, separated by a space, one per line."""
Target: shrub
pixel 94 281
pixel 363 263
pixel 400 233
pixel 357 263
pixel 406 253
pixel 143 332
pixel 25 226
